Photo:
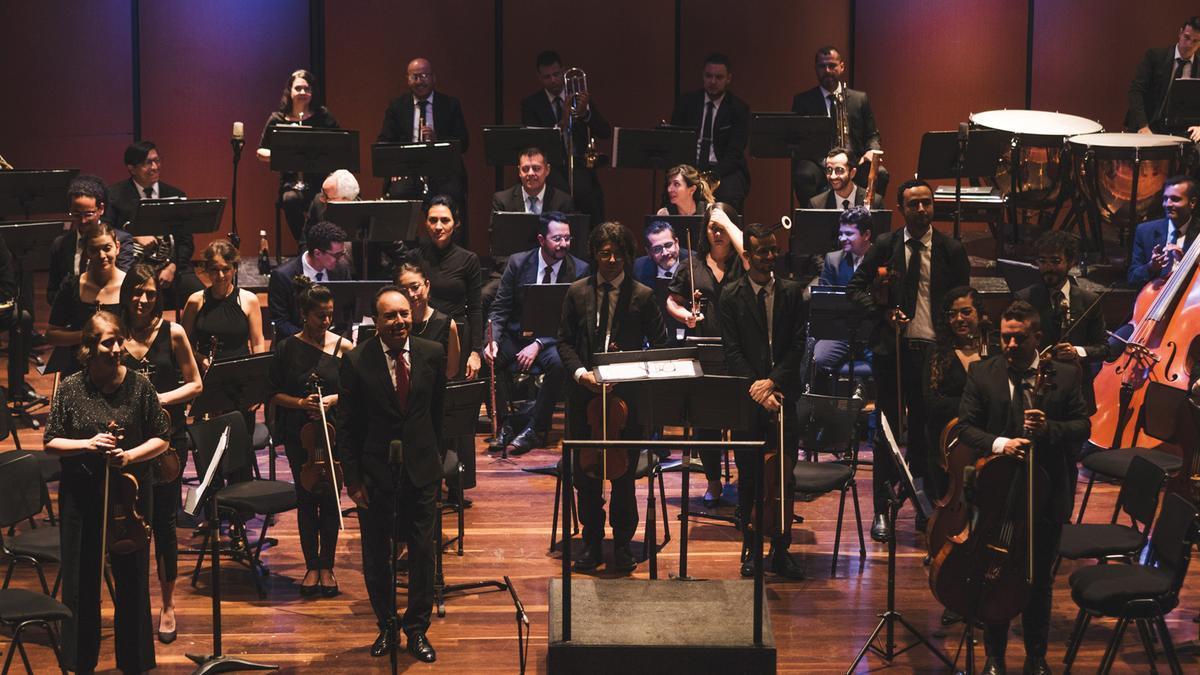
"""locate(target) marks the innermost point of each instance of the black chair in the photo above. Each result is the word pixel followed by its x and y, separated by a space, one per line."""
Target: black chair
pixel 1139 499
pixel 21 490
pixel 830 426
pixel 20 609
pixel 649 466
pixel 452 474
pixel 242 497
pixel 1143 594
pixel 572 507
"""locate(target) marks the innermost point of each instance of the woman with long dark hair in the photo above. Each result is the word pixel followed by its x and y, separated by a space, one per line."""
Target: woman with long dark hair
pixel 455 280
pixel 223 315
pixel 688 193
pixel 97 288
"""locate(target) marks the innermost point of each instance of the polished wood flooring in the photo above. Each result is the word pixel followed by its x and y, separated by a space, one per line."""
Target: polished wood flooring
pixel 819 624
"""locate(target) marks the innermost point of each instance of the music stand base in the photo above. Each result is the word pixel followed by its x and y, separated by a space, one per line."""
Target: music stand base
pixel 211 663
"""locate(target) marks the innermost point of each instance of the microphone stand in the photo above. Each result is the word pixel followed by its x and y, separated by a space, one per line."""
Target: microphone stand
pixel 237 144
pixel 964 131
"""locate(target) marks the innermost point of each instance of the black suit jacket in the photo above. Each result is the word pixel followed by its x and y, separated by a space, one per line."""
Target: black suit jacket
pixel 521 270
pixel 985 409
pixel 1089 334
pixel 369 415
pixel 122 207
pixel 744 333
pixel 281 296
pixel 536 111
pixel 864 135
pixel 636 322
pixel 949 267
pixel 645 270
pixel 1148 90
pixel 62 259
pixel 448 123
pixel 829 200
pixel 731 129
pixel 513 199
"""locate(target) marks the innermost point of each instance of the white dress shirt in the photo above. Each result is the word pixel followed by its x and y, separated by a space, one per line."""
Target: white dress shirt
pixel 391 360
pixel 1187 67
pixel 998 444
pixel 154 191
pixel 541 268
pixel 613 296
pixel 825 94
pixel 310 271
pixel 541 200
pixel 921 326
pixel 416 123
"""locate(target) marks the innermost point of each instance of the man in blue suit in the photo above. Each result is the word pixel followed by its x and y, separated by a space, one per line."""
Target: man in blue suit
pixel 549 263
pixel 662 260
pixel 854 234
pixel 1158 244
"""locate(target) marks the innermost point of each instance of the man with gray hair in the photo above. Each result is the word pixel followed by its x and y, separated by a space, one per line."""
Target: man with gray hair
pixel 339 186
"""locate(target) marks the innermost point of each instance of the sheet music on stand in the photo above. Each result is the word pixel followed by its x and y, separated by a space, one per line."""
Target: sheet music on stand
pixel 191 504
pixel 920 501
pixel 650 364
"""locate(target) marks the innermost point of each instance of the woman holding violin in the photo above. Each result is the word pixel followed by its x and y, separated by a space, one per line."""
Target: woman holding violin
pixel 309 358
pixel 688 192
pixel 98 287
pixel 223 320
pixel 106 424
pixel 159 350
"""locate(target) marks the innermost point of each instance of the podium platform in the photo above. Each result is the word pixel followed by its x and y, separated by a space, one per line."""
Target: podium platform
pixel 645 626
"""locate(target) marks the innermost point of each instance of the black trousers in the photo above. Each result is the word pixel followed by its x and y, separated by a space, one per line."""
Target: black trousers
pixel 415 527
pixel 885 474
pixel 316 514
pixel 164 521
pixel 622 504
pixel 80 503
pixel 295 205
pixel 550 393
pixel 1035 618
pixel 710 459
pixel 747 461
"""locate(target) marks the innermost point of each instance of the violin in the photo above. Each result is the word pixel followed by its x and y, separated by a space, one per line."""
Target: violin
pixel 985 571
pixel 124 530
pixel 778 500
pixel 316 475
pixel 607 415
pixel 167 467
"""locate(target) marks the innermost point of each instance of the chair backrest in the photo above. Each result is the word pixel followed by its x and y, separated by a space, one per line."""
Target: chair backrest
pixel 235 465
pixel 1140 491
pixel 830 423
pixel 20 487
pixel 1174 534
pixel 5 416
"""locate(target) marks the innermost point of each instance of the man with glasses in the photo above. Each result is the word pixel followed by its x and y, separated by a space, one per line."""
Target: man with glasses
pixel 321 261
pixel 664 256
pixel 843 192
pixel 86 201
pixel 549 263
pixel 170 254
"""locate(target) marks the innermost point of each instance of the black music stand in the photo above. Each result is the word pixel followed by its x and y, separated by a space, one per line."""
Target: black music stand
pixel 815 231
pixel 502 145
pixel 352 300
pixel 436 159
pixel 833 316
pixel 25 240
pixel 776 135
pixel 233 384
pixel 29 191
pixel 377 225
pixel 654 149
pixel 1018 274
pixel 540 311
pixel 157 217
pixel 311 150
pixel 512 232
pixel 1182 108
pixel 960 154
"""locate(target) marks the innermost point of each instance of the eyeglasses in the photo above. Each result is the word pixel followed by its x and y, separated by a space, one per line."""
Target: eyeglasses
pixel 560 238
pixel 609 255
pixel 419 77
pixel 663 248
pixel 151 161
pixel 836 171
pixel 82 214
pixel 336 255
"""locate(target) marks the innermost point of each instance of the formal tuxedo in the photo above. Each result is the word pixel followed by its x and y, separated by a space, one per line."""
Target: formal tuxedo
pixel 281 296
pixel 537 111
pixel 123 199
pixel 635 323
pixel 829 199
pixel 62 258
pixel 513 199
pixel 808 176
pixel 1148 235
pixel 730 135
pixel 370 419
pixel 1089 334
pixel 986 412
pixel 645 270
pixel 1148 90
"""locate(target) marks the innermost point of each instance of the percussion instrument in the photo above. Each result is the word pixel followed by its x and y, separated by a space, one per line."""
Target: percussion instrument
pixel 1122 175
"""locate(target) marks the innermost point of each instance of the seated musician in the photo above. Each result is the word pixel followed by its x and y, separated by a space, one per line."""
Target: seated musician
pixel 1159 244
pixel 339 186
pixel 321 261
pixel 606 311
pixel 688 192
pixel 840 171
pixel 996 420
pixel 86 202
pixel 549 263
pixel 854 234
pixel 762 321
pixel 171 254
pixel 662 260
pixel 1069 330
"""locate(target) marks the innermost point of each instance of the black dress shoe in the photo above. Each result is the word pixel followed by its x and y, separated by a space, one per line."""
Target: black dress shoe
pixel 993 667
pixel 418 646
pixel 385 641
pixel 588 560
pixel 950 617
pixel 1036 666
pixel 879 529
pixel 524 442
pixel 784 565
pixel 502 439
pixel 623 560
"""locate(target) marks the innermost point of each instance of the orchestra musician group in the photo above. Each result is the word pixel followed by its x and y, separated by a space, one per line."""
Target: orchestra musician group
pixel 125 371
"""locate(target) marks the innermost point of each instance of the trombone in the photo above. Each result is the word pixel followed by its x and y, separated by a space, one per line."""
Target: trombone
pixel 575 86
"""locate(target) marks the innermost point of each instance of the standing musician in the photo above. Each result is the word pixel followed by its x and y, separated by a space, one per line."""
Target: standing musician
pixel 159 349
pixel 762 321
pixel 862 138
pixel 1158 244
pixel 1061 303
pixel 172 253
pixel 995 421
pixel 724 123
pixel 98 288
pixel 314 351
pixel 104 420
pixel 688 192
pixel 902 280
pixel 606 311
pixel 85 205
pixel 843 192
pixel 549 107
pixel 455 279
pixel 1158 70
pixel 549 263
pixel 391 401
pixel 224 311
pixel 324 253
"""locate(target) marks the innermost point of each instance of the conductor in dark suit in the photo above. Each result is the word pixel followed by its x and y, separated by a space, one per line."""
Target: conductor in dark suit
pixel 604 311
pixel 763 321
pixel 723 120
pixel 549 107
pixel 176 275
pixel 550 262
pixel 1159 244
pixel 1156 73
pixel 321 261
pixel 841 168
pixel 921 264
pixel 997 420
pixel 86 204
pixel 807 176
pixel 443 121
pixel 390 406
pixel 1086 343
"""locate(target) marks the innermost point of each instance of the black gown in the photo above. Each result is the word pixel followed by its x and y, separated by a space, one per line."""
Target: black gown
pixel 455 286
pixel 70 312
pixel 223 319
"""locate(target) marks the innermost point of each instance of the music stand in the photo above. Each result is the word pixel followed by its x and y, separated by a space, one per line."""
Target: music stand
pixel 502 145
pixel 654 149
pixel 833 316
pixel 1182 108
pixel 814 231
pixel 514 231
pixel 313 149
pixel 156 217
pixel 969 153
pixel 376 222
pixel 233 384
pixel 436 159
pixel 540 313
pixel 1018 274
pixel 352 300
pixel 26 239
pixel 30 191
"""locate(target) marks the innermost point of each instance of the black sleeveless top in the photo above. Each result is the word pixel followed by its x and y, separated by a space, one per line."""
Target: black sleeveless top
pixel 71 312
pixel 294 362
pixel 437 328
pixel 161 369
pixel 224 319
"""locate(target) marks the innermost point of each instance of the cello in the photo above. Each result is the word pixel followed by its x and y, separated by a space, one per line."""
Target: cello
pixel 316 475
pixel 606 414
pixel 778 500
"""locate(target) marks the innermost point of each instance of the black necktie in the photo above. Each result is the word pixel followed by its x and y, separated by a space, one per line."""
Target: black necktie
pixel 1179 64
pixel 547 274
pixel 1016 421
pixel 845 204
pixel 912 277
pixel 602 325
pixel 558 108
pixel 829 108
pixel 1054 333
pixel 149 190
pixel 766 318
pixel 706 128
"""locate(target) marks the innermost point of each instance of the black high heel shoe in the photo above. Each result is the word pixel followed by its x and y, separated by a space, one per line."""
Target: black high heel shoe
pixel 309 591
pixel 167 637
pixel 328 591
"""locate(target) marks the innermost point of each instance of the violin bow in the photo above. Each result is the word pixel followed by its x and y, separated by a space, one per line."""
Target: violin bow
pixel 329 454
pixel 1075 321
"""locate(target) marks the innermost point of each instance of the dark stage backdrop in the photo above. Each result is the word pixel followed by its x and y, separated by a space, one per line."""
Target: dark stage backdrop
pixel 82 78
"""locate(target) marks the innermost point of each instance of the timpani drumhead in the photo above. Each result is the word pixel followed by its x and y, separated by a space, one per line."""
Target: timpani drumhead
pixel 1036 122
pixel 1128 140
